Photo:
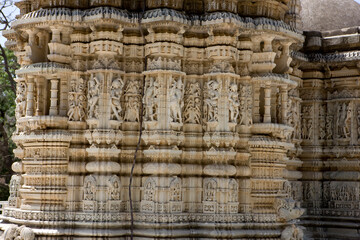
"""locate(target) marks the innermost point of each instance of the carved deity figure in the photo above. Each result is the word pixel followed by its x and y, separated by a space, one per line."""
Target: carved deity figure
pixel 304 129
pixel 176 100
pixel 93 97
pixel 329 127
pixel 347 122
pixel 150 100
pixel 234 103
pixel 116 90
pixel 192 112
pixel 211 101
pixel 149 193
pixel 310 129
pixel 14 190
pixel 76 100
pixel 89 188
pixel 20 100
pixel 233 191
pixel 114 188
pixel 132 106
pixel 210 191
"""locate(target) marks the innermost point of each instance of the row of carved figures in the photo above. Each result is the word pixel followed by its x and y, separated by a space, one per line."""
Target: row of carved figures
pixel 189 102
pixel 335 123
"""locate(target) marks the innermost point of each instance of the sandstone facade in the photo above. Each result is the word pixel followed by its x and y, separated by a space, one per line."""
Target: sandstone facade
pixel 214 114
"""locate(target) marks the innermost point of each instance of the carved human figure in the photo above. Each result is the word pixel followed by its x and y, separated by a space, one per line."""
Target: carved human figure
pixel 93 97
pixel 149 193
pixel 310 129
pixel 192 111
pixel 89 189
pixel 211 101
pixel 132 104
pixel 234 103
pixel 76 100
pixel 347 122
pixel 116 90
pixel 233 191
pixel 176 100
pixel 322 129
pixel 150 100
pixel 329 127
pixel 114 189
pixel 304 129
pixel 210 191
pixel 20 100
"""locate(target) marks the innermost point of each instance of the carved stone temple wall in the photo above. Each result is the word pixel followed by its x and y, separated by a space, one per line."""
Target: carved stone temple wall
pixel 241 126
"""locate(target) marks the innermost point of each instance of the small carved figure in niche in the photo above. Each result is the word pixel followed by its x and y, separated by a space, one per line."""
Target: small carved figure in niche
pixel 114 189
pixel 209 193
pixel 347 125
pixel 151 101
pixel 20 100
pixel 132 109
pixel 89 190
pixel 93 98
pixel 116 90
pixel 192 112
pixel 233 191
pixel 77 99
pixel 211 101
pixel 341 119
pixel 176 100
pixel 149 194
pixel 234 103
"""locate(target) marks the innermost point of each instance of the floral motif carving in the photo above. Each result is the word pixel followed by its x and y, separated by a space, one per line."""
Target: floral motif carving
pixel 192 111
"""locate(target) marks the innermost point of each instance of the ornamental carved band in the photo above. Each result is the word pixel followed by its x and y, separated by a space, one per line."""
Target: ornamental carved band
pixel 234 122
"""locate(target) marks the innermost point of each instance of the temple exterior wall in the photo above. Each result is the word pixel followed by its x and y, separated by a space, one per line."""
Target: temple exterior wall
pixel 225 120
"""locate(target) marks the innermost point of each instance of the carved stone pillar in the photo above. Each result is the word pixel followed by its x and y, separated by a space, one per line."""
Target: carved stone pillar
pixel 54 109
pixel 267 104
pixel 30 97
pixel 284 104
